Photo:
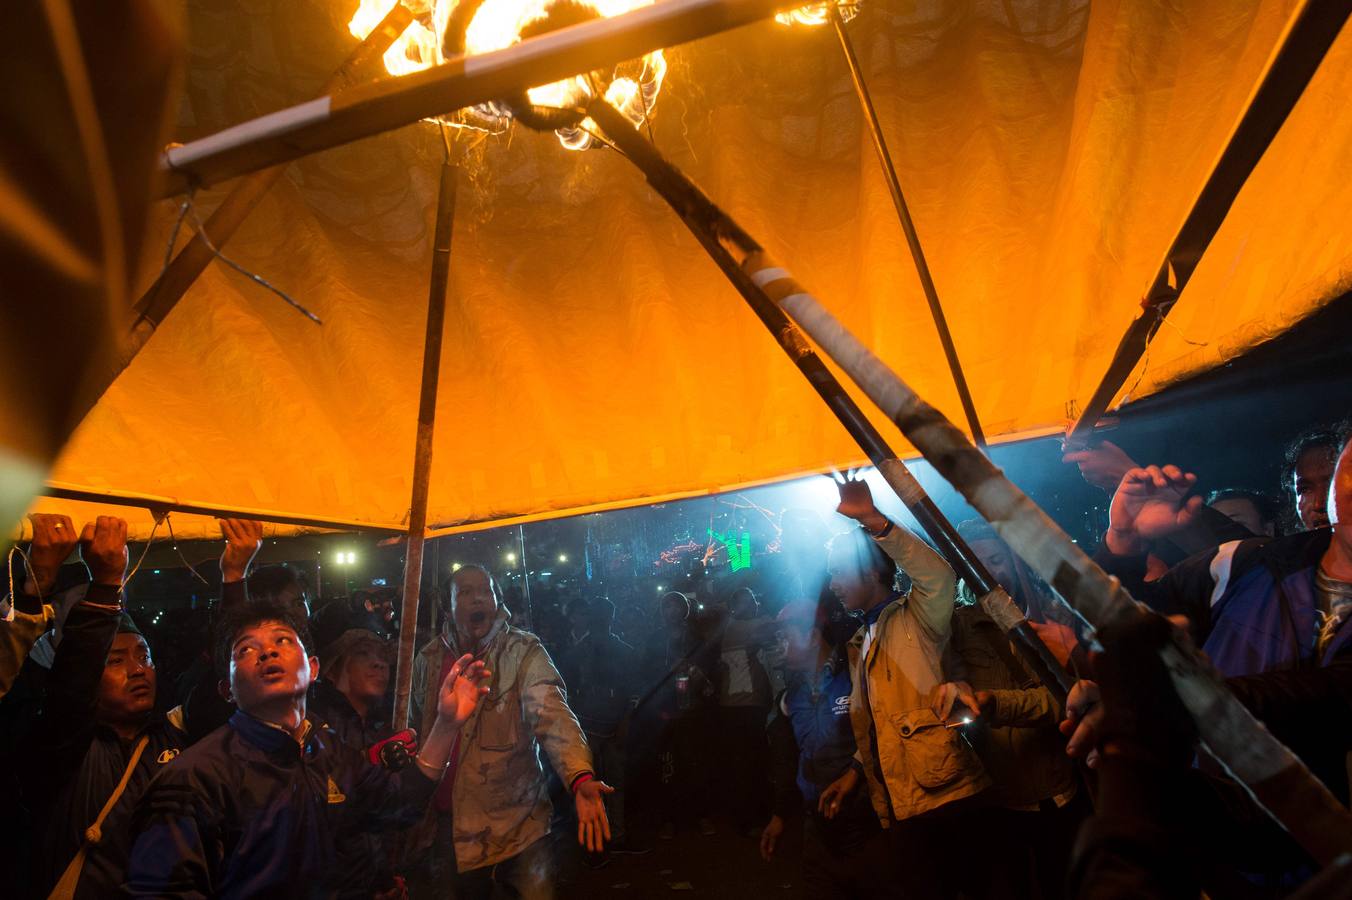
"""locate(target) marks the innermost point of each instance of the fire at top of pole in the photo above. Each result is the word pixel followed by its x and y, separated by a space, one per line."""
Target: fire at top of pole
pixel 818 13
pixel 496 24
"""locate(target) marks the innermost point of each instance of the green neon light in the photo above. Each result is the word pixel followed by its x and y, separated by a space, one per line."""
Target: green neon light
pixel 739 553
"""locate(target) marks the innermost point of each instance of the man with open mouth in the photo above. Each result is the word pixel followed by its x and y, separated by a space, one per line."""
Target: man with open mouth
pixel 495 784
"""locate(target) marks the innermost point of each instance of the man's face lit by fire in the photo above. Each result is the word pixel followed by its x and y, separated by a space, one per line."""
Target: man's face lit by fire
pixel 1310 481
pixel 473 603
pixel 269 665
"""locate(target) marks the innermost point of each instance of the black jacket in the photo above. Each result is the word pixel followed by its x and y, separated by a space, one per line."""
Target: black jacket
pixel 249 812
pixel 71 764
pixel 363 858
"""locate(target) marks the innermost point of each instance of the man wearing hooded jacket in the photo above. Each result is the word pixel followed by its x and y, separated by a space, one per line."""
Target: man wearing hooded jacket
pixel 495 783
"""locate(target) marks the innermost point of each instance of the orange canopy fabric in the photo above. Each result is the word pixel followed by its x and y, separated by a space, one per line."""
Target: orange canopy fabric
pixel 594 357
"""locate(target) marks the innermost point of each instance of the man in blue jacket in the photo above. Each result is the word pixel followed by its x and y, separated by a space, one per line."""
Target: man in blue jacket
pixel 845 853
pixel 253 809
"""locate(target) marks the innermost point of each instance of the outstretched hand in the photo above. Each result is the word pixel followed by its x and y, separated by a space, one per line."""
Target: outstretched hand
pixel 1150 503
pixel 465 685
pixel 593 826
pixel 243 537
pixel 1102 465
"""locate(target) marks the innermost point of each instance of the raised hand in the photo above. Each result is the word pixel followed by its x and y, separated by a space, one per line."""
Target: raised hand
pixel 54 539
pixel 856 502
pixel 1150 503
pixel 243 537
pixel 593 826
pixel 465 685
pixel 1102 465
pixel 103 547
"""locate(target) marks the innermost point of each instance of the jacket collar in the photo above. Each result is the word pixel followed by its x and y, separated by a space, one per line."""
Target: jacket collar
pixel 270 738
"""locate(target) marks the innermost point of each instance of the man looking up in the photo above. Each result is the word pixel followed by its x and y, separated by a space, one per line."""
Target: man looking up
pixel 496 786
pixel 253 809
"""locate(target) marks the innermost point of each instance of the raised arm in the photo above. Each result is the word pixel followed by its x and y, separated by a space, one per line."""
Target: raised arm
pixel 933 585
pixel 24 617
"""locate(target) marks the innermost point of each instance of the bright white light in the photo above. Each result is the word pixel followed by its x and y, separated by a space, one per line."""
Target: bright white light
pixel 511 557
pixel 455 567
pixel 563 557
pixel 661 588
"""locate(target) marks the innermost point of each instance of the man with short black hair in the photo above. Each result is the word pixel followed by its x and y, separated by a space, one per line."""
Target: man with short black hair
pixel 1309 472
pixel 253 809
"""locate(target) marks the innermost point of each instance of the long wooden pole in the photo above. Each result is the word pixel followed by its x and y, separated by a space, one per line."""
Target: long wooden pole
pixel 1309 34
pixel 907 225
pixel 190 262
pixel 708 224
pixel 422 452
pixel 1229 732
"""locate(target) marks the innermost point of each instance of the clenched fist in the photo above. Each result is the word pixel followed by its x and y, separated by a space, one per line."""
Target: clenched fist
pixel 54 539
pixel 103 547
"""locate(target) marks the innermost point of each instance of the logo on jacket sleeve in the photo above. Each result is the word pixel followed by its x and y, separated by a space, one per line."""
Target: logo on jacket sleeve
pixel 166 755
pixel 335 795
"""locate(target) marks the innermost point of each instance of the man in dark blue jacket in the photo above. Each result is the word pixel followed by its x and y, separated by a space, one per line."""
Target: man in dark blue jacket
pixel 96 725
pixel 253 810
pixel 811 747
pixel 1271 614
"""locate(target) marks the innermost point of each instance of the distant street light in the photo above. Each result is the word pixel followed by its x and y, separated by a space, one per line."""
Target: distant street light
pixel 563 557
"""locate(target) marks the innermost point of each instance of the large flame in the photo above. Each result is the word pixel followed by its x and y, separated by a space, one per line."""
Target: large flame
pixel 818 13
pixel 498 24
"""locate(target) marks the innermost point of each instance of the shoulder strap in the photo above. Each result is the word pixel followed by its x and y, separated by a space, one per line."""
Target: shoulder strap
pixel 65 888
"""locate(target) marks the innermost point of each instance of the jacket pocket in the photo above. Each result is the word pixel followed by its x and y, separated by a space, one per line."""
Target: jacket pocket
pixel 500 722
pixel 934 755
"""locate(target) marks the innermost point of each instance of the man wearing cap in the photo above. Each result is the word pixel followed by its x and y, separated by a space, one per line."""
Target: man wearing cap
pixel 97 740
pixel 349 699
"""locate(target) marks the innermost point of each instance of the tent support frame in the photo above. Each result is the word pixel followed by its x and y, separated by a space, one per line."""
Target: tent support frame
pixel 1277 778
pixel 190 262
pixel 422 453
pixel 1308 37
pixel 907 225
pixel 710 227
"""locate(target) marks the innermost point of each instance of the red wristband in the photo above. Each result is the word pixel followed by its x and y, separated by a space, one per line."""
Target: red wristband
pixel 580 780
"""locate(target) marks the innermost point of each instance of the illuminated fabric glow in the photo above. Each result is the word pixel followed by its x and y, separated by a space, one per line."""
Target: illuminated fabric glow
pixel 594 356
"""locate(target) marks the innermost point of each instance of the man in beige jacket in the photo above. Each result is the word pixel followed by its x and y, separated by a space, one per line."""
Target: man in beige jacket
pixel 495 783
pixel 916 768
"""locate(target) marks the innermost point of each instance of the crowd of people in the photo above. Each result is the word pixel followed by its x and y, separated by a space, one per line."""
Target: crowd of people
pixel 872 704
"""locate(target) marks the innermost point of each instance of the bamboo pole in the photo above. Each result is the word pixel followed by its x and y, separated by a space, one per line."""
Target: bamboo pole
pixel 422 454
pixel 189 263
pixel 1307 38
pixel 464 81
pixel 907 225
pixel 708 224
pixel 1228 731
